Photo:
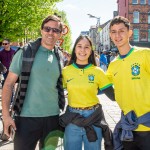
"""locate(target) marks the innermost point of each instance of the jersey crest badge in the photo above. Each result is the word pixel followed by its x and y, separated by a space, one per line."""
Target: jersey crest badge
pixel 135 69
pixel 91 78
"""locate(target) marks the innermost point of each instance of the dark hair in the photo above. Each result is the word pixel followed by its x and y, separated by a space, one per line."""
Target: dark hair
pixel 6 40
pixel 52 18
pixel 91 58
pixel 118 20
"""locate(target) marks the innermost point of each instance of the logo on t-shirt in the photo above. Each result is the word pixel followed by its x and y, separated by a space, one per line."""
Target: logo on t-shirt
pixel 91 78
pixel 135 70
pixel 69 80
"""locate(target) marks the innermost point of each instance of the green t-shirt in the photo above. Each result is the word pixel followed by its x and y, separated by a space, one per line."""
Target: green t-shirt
pixel 41 98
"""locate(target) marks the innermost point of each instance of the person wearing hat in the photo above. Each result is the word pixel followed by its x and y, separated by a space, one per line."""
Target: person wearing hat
pixel 113 56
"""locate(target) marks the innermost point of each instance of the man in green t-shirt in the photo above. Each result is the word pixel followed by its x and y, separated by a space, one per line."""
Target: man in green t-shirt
pixel 37 101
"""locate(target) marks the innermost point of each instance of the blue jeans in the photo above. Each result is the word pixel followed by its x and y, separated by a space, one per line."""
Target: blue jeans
pixel 74 135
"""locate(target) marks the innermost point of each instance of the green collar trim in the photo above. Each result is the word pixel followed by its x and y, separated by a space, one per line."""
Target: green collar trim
pixel 74 65
pixel 131 50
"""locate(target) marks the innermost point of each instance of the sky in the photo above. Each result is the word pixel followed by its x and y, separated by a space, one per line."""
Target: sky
pixel 77 10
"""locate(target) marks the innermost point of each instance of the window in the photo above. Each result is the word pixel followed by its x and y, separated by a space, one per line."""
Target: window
pixel 135 17
pixel 134 1
pixel 149 17
pixel 142 1
pixel 136 34
pixel 148 2
pixel 148 35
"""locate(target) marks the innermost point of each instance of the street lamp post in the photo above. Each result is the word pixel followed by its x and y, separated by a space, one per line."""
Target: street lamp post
pixel 97 35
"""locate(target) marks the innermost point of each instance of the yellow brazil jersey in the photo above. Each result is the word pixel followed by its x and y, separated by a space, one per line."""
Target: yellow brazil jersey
pixel 131 79
pixel 82 84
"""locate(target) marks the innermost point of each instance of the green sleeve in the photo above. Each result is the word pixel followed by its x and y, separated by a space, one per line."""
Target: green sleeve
pixel 16 63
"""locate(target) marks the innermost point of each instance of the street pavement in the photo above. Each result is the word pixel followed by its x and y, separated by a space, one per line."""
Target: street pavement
pixel 111 112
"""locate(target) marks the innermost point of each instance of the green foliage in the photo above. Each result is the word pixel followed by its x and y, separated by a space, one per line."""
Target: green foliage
pixel 21 19
pixel 67 38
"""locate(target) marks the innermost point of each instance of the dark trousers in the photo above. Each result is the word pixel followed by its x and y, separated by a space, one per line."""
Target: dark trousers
pixel 141 141
pixel 30 130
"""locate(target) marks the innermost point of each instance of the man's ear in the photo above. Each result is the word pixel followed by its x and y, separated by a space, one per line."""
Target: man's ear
pixel 130 33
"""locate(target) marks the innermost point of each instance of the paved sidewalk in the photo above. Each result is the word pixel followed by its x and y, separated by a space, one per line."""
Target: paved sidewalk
pixel 111 111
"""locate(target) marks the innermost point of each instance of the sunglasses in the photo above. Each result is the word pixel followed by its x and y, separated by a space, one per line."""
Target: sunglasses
pixel 54 30
pixel 5 43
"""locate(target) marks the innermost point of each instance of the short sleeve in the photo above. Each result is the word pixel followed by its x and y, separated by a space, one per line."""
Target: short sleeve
pixel 103 81
pixel 16 63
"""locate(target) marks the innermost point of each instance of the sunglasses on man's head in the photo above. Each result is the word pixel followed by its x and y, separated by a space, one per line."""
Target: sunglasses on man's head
pixel 54 30
pixel 5 43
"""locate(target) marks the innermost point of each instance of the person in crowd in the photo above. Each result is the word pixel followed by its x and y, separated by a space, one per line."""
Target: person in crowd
pixel 6 56
pixel 113 56
pixel 82 79
pixel 97 59
pixel 40 92
pixel 130 75
pixel 104 60
pixel 66 57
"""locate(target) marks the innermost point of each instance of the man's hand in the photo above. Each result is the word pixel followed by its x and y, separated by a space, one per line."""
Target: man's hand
pixel 8 121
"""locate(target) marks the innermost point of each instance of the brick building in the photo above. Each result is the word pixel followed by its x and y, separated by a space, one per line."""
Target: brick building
pixel 138 12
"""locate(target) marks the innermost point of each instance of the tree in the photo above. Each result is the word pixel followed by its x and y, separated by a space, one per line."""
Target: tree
pixel 21 19
pixel 66 45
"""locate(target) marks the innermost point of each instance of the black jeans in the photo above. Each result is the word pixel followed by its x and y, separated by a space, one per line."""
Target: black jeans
pixel 30 130
pixel 141 141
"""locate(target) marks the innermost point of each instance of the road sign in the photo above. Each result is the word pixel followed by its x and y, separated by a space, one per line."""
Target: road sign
pixel 65 30
pixel 59 42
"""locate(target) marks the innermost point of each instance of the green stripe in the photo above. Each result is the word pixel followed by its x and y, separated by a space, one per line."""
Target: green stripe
pixel 74 65
pixel 105 87
pixel 131 50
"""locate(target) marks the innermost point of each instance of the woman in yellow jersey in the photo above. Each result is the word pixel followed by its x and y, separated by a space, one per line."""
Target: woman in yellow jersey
pixel 83 120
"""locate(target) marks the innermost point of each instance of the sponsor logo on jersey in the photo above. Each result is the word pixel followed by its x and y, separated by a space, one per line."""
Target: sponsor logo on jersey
pixel 69 80
pixel 115 73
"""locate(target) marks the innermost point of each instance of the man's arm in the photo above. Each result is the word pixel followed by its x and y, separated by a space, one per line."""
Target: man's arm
pixel 6 97
pixel 110 93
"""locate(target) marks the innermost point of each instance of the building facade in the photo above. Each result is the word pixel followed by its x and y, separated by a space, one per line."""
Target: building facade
pixel 105 38
pixel 93 35
pixel 138 13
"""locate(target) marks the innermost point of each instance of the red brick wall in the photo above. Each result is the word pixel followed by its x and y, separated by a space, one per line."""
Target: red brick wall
pixel 143 10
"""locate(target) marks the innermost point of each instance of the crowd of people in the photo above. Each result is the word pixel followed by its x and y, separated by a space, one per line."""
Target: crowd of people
pixel 44 71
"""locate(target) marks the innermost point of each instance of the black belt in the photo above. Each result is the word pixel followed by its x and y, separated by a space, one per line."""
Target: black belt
pixel 87 108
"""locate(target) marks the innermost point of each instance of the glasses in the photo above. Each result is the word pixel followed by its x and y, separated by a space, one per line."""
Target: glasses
pixel 5 43
pixel 54 30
